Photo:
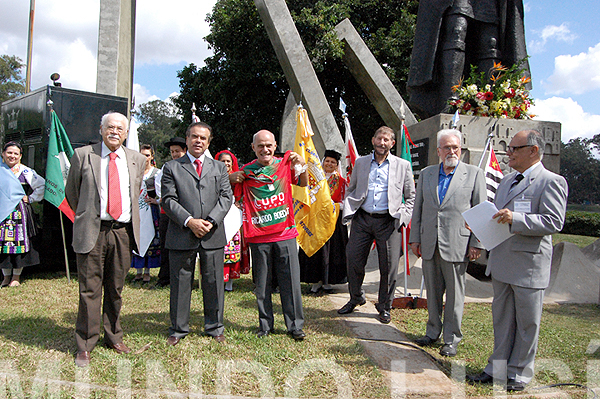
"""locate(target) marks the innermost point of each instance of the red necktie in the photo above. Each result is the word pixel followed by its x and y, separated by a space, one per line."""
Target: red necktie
pixel 198 167
pixel 114 207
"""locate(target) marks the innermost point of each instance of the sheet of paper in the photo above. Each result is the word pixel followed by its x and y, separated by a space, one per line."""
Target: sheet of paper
pixel 232 222
pixel 487 230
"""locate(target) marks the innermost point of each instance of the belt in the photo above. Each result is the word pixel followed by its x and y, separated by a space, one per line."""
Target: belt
pixel 374 215
pixel 113 224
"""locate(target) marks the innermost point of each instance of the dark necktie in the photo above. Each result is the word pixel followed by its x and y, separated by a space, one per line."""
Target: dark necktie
pixel 518 178
pixel 114 207
pixel 198 167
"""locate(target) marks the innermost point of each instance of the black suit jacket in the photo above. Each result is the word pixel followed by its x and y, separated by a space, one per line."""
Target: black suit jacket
pixel 184 194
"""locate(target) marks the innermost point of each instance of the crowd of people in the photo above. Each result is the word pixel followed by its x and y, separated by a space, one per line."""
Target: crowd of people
pixel 191 195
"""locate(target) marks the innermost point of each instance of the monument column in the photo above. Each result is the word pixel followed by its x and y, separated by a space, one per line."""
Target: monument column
pixel 116 48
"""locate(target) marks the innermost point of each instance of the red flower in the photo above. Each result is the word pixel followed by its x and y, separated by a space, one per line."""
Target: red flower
pixel 480 96
pixel 467 106
pixel 510 93
pixel 489 96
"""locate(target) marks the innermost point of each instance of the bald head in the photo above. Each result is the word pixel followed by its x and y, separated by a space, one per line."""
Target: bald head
pixel 264 146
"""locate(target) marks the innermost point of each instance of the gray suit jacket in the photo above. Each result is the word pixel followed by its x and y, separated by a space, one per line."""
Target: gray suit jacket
pixel 82 191
pixel 442 224
pixel 525 258
pixel 401 185
pixel 184 194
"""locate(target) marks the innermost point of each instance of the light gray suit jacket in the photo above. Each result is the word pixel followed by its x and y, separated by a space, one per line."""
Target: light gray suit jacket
pixel 401 185
pixel 525 258
pixel 442 224
pixel 82 191
pixel 184 194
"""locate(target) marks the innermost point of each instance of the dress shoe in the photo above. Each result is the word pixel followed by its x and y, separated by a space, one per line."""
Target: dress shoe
pixel 220 338
pixel 481 378
pixel 298 335
pixel 262 333
pixel 349 307
pixel 384 317
pixel 119 348
pixel 448 350
pixel 425 341
pixel 82 359
pixel 173 340
pixel 513 385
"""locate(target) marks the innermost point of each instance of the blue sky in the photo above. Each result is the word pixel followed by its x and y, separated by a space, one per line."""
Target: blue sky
pixel 563 41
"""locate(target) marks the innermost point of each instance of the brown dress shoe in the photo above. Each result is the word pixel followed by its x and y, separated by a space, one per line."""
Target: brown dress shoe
pixel 82 359
pixel 120 348
pixel 173 340
pixel 219 338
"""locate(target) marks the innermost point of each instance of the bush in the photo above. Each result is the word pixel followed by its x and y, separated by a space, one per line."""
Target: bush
pixel 582 223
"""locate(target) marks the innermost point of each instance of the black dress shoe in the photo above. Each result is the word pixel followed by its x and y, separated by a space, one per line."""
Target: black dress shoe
pixel 298 335
pixel 513 385
pixel 262 333
pixel 425 341
pixel 448 350
pixel 349 307
pixel 481 378
pixel 384 317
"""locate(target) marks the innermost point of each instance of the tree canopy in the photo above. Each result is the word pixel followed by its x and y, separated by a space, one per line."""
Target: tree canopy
pixel 242 88
pixel 158 123
pixel 12 83
pixel 581 169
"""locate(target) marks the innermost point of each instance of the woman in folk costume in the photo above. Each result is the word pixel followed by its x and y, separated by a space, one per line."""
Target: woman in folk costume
pixel 237 261
pixel 17 230
pixel 151 258
pixel 328 265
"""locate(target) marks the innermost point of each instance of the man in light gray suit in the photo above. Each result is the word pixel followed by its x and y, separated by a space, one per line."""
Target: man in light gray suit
pixel 196 196
pixel 102 188
pixel 533 202
pixel 438 235
pixel 379 201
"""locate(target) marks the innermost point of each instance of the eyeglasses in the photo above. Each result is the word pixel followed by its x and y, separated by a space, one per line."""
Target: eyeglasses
pixel 451 148
pixel 513 148
pixel 118 129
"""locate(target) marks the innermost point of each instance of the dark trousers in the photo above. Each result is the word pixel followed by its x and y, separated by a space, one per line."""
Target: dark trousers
pixel 103 268
pixel 279 259
pixel 183 265
pixel 366 228
pixel 164 273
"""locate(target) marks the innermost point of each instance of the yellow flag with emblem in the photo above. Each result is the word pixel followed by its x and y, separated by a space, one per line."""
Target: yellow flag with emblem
pixel 314 211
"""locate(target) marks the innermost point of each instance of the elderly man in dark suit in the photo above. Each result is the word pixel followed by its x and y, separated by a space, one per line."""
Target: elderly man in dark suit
pixel 439 235
pixel 196 195
pixel 379 201
pixel 533 201
pixel 103 187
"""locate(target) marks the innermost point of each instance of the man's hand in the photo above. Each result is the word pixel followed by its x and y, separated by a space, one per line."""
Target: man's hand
pixel 237 177
pixel 199 227
pixel 296 158
pixel 416 248
pixel 474 253
pixel 149 200
pixel 504 216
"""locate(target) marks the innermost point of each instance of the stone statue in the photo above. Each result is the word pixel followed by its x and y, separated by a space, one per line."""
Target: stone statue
pixel 452 35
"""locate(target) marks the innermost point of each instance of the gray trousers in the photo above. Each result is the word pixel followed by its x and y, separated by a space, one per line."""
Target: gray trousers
pixel 441 276
pixel 517 312
pixel 364 230
pixel 183 264
pixel 280 258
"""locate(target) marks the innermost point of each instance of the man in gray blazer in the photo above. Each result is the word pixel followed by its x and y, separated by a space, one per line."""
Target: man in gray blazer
pixel 103 187
pixel 379 201
pixel 438 235
pixel 533 202
pixel 196 195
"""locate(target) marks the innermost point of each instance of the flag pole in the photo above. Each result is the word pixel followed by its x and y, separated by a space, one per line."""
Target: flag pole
pixel 485 150
pixel 62 230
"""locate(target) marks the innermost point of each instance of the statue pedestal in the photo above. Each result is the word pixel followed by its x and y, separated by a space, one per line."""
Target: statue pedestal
pixel 475 130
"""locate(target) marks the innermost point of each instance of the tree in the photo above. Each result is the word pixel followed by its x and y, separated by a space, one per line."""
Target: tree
pixel 242 88
pixel 12 83
pixel 581 170
pixel 158 123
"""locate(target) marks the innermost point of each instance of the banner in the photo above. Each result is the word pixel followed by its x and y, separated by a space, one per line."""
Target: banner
pixel 493 175
pixel 314 211
pixel 57 166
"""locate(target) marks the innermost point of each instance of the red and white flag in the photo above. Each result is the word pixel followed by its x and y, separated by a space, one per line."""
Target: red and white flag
pixel 493 175
pixel 351 152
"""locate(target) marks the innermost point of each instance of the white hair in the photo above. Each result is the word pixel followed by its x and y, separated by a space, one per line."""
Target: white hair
pixel 449 132
pixel 105 117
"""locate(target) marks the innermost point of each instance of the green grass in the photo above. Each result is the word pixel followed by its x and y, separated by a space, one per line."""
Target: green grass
pixel 580 241
pixel 37 336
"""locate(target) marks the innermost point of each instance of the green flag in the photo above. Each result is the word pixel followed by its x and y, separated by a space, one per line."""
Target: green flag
pixel 57 167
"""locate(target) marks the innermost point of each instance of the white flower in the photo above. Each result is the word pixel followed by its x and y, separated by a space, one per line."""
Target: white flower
pixel 472 89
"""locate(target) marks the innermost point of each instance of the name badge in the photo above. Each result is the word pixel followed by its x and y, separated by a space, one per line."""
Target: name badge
pixel 523 206
pixel 271 187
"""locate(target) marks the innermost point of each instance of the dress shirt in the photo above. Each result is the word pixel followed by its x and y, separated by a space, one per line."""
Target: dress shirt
pixel 192 160
pixel 377 196
pixel 444 182
pixel 121 161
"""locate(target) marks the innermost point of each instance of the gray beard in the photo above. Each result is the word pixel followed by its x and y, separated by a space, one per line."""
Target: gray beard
pixel 451 162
